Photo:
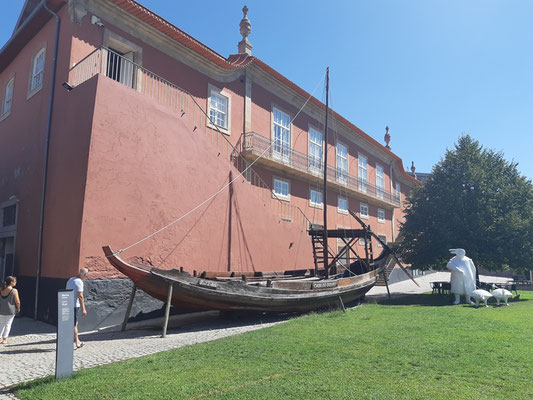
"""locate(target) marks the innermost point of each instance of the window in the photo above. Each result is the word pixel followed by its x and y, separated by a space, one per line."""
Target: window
pixel 315 198
pixel 282 189
pixel 383 239
pixel 342 205
pixel 362 173
pixel 9 217
pixel 398 191
pixel 281 145
pixel 8 97
pixel 37 72
pixel 381 215
pixel 380 181
pixel 362 241
pixel 315 150
pixel 218 108
pixel 363 210
pixel 342 163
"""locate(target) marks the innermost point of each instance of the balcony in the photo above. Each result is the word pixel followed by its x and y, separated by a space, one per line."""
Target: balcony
pixel 279 156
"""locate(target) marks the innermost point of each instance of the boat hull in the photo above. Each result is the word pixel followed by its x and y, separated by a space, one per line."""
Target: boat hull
pixel 194 293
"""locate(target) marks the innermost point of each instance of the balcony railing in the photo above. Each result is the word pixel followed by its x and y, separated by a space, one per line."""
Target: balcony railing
pixel 259 145
pixel 121 69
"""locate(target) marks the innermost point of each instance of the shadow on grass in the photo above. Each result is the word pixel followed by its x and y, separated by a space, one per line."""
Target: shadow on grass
pixel 433 300
pixel 33 384
pixel 437 300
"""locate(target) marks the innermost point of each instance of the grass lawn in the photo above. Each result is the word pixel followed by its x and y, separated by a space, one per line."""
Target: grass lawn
pixel 418 347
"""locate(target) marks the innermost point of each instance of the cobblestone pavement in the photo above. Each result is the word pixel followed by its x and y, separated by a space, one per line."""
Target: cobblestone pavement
pixel 32 355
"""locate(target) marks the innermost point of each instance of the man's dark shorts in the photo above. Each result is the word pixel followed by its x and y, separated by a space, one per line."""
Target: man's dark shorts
pixel 76 315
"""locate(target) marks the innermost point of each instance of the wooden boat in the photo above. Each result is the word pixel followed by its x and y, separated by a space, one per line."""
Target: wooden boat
pixel 288 291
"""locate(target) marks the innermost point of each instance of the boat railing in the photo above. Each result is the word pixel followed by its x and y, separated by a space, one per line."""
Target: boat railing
pixel 106 62
pixel 257 144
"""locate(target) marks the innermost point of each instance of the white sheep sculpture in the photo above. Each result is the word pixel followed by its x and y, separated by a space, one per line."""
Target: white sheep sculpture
pixel 501 294
pixel 480 295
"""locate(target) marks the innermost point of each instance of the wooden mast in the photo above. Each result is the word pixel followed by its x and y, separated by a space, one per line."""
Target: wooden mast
pixel 324 189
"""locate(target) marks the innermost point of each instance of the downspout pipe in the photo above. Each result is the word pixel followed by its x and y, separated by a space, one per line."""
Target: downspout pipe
pixel 46 155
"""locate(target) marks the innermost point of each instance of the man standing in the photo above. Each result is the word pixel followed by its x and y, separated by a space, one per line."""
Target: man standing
pixel 76 284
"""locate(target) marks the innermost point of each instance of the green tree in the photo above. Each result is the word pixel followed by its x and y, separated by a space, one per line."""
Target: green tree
pixel 475 200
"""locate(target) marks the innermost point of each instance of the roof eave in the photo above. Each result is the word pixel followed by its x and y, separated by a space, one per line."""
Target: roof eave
pixel 35 21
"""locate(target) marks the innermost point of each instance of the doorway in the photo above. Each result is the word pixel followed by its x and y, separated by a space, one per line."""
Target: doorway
pixel 7 257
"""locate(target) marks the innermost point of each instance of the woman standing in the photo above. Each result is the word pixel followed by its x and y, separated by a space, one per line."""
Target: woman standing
pixel 9 306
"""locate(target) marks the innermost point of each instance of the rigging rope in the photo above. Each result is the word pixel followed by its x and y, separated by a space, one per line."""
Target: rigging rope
pixel 223 188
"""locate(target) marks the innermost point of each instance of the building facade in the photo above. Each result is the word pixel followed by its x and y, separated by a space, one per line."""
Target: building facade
pixel 115 123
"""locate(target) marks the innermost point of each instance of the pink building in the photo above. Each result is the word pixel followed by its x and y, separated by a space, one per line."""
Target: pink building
pixel 114 123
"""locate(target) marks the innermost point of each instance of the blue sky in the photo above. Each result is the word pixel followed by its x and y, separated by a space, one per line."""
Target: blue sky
pixel 430 70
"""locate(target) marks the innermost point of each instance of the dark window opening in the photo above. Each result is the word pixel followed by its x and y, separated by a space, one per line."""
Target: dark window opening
pixel 10 215
pixel 114 64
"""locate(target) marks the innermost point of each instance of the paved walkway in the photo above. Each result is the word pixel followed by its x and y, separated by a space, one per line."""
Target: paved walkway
pixel 32 355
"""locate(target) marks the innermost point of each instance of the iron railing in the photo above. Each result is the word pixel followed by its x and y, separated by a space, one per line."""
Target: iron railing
pixel 260 145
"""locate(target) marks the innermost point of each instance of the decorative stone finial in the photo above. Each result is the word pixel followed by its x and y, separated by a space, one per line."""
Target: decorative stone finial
pixel 245 47
pixel 413 169
pixel 387 137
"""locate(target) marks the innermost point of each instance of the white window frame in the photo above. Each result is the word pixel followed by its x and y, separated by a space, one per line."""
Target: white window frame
pixel 380 181
pixel 313 203
pixel 7 104
pixel 340 159
pixel 37 70
pixel 398 191
pixel 281 196
pixel 362 173
pixel 281 148
pixel 339 209
pixel 315 146
pixel 384 238
pixel 381 211
pixel 365 215
pixel 215 91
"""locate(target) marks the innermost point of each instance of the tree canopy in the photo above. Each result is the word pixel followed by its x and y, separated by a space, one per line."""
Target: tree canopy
pixel 475 200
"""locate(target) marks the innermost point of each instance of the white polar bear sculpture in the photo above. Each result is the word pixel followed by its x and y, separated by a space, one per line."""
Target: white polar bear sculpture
pixel 480 295
pixel 501 294
pixel 463 275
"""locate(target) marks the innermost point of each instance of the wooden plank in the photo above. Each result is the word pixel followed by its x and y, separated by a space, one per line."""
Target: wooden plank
pixel 167 310
pixel 339 233
pixel 128 310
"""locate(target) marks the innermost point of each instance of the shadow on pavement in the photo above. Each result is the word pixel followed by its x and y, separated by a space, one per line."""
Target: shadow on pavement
pixel 28 351
pixel 50 341
pixel 233 320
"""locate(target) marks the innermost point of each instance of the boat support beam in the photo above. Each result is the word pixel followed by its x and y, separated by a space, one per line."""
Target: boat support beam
pixel 167 310
pixel 128 310
pixel 386 280
pixel 342 304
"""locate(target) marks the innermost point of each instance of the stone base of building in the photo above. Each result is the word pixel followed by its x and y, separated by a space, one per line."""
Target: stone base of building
pixel 106 301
